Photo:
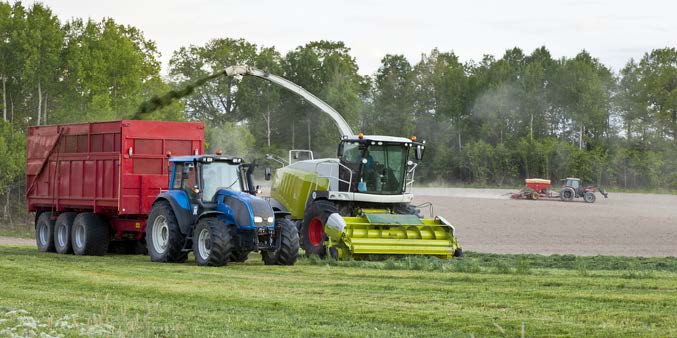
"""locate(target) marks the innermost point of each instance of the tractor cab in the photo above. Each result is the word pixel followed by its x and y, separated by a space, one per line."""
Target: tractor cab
pixel 202 176
pixel 378 164
pixel 574 183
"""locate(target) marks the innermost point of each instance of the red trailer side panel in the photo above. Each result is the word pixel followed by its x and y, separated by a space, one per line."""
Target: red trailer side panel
pixel 113 168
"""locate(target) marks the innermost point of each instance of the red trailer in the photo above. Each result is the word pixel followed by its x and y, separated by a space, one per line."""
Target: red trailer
pixel 89 183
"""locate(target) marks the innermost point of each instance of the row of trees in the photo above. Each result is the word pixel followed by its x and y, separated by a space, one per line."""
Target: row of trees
pixel 488 122
pixel 492 121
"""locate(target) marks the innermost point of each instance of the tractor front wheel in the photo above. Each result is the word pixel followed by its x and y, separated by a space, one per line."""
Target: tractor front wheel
pixel 312 232
pixel 589 197
pixel 164 239
pixel 213 242
pixel 289 246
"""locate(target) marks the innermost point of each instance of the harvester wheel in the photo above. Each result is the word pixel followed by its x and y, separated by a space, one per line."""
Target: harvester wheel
pixel 313 227
pixel 62 232
pixel 289 247
pixel 458 253
pixel 44 232
pixel 239 256
pixel 90 235
pixel 213 242
pixel 567 194
pixel 589 197
pixel 163 236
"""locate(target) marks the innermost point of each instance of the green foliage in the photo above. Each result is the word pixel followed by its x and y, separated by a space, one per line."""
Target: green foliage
pixel 231 139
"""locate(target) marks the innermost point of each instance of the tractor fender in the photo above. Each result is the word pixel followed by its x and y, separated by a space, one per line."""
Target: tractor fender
pixel 276 205
pixel 211 213
pixel 281 214
pixel 183 216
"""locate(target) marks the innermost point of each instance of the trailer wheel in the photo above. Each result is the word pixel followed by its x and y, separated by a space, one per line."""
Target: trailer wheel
pixel 213 242
pixel 589 197
pixel 239 256
pixel 90 235
pixel 312 232
pixel 164 239
pixel 289 246
pixel 62 232
pixel 44 232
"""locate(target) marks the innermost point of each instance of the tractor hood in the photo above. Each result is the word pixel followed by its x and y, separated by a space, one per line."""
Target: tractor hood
pixel 244 209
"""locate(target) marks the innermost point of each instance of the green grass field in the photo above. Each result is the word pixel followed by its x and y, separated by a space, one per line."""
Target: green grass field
pixel 480 295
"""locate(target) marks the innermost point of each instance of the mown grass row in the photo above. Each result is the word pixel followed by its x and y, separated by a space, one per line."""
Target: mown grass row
pixel 516 263
pixel 404 297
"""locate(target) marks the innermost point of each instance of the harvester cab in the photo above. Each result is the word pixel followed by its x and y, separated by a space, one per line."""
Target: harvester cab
pixel 379 165
pixel 211 209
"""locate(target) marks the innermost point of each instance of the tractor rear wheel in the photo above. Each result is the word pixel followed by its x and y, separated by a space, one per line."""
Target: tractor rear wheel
pixel 62 232
pixel 164 239
pixel 289 246
pixel 44 232
pixel 589 197
pixel 567 194
pixel 90 235
pixel 312 232
pixel 213 242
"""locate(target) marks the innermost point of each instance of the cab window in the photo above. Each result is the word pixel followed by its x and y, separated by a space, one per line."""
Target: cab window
pixel 188 181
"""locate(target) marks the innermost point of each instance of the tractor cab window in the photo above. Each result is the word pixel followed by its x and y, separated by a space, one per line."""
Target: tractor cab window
pixel 574 184
pixel 383 169
pixel 176 179
pixel 188 177
pixel 219 175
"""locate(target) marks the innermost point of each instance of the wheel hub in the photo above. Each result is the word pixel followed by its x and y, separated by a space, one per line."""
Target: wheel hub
pixel 160 234
pixel 315 232
pixel 204 244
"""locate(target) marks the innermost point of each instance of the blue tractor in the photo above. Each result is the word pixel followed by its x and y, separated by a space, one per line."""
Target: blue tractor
pixel 211 209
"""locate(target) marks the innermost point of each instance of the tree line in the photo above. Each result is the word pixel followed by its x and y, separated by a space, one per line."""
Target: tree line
pixel 492 121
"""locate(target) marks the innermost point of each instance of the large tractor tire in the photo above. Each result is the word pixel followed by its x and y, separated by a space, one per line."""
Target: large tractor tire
pixel 62 232
pixel 289 246
pixel 213 242
pixel 567 194
pixel 44 232
pixel 589 197
pixel 239 256
pixel 90 235
pixel 312 232
pixel 164 239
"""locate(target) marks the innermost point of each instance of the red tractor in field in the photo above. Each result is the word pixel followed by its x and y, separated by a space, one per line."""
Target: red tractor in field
pixel 571 188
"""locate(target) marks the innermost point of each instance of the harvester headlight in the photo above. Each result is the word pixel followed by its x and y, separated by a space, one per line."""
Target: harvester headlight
pixel 258 219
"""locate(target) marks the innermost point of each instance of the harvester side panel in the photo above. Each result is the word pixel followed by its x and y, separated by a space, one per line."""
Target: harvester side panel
pixel 292 187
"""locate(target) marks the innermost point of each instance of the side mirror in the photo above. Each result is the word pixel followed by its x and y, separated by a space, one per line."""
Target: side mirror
pixel 418 152
pixel 339 152
pixel 267 174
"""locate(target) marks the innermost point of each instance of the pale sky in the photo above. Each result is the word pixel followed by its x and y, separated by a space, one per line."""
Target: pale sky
pixel 613 31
